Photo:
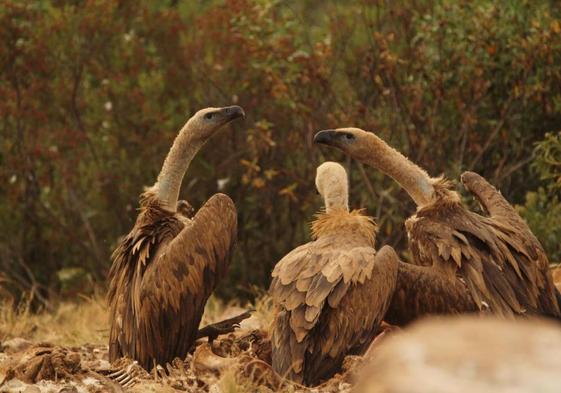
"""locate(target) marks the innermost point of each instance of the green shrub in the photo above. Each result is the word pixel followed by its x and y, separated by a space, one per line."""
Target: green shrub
pixel 542 208
pixel 93 93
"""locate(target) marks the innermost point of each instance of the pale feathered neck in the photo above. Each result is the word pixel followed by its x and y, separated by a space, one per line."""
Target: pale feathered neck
pixel 332 183
pixel 416 181
pixel 337 221
pixel 184 148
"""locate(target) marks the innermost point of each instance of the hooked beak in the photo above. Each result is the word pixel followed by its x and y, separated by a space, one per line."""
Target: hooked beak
pixel 325 137
pixel 232 112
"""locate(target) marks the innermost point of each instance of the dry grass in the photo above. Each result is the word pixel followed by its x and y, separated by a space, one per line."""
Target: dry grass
pixel 264 310
pixel 217 310
pixel 86 321
pixel 70 323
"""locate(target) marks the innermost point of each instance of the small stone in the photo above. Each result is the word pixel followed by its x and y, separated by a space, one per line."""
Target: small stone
pixel 68 389
pixel 16 345
pixel 32 389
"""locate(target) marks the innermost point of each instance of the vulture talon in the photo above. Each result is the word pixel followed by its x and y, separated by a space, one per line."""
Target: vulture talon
pixel 223 327
pixel 184 208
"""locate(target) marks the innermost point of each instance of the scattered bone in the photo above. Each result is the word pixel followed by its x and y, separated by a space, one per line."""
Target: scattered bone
pixel 448 352
pixel 245 355
pixel 386 330
pixel 181 376
pixel 32 389
pixel 56 369
pixel 69 389
pixel 125 372
pixel 125 377
pixel 206 360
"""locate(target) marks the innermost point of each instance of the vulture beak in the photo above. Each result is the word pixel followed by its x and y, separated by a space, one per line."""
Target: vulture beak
pixel 326 137
pixel 232 112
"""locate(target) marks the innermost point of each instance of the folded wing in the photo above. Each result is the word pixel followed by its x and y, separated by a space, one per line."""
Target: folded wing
pixel 331 304
pixel 176 286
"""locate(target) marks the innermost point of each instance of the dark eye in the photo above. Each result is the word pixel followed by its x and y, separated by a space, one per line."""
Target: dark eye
pixel 208 116
pixel 349 136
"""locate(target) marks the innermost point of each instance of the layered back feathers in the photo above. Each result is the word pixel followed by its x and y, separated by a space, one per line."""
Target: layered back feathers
pixel 330 296
pixel 502 263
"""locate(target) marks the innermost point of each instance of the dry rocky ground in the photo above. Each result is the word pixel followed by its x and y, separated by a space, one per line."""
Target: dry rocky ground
pixel 64 350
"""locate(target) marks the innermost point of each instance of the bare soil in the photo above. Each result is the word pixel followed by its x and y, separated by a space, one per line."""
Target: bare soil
pixel 238 362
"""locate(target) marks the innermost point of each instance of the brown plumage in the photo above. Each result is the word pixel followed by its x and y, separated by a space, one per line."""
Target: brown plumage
pixel 165 269
pixel 422 291
pixel 331 293
pixel 496 257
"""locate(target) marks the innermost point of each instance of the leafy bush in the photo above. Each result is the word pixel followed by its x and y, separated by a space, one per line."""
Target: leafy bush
pixel 94 92
pixel 542 208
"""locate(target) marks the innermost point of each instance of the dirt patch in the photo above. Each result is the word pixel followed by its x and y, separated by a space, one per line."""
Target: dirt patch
pixel 238 362
pixel 45 362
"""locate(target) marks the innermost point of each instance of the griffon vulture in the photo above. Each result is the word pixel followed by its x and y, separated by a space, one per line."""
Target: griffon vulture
pixel 495 257
pixel 331 293
pixel 165 269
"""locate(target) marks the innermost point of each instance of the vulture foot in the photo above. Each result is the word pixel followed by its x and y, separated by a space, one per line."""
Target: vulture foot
pixel 185 208
pixel 223 327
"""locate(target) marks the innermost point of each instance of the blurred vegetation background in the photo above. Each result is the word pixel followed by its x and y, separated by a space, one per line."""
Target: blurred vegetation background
pixel 93 93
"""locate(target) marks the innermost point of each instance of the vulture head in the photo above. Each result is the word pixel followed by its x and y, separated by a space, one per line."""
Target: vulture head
pixel 352 141
pixel 333 186
pixel 187 143
pixel 368 148
pixel 209 120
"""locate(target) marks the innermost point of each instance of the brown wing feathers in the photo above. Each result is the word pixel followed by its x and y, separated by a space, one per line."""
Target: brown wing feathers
pixel 422 291
pixel 176 289
pixel 330 299
pixel 504 267
pixel 330 294
pixel 163 274
pixel 497 258
pixel 154 226
pixel 356 318
pixel 527 265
